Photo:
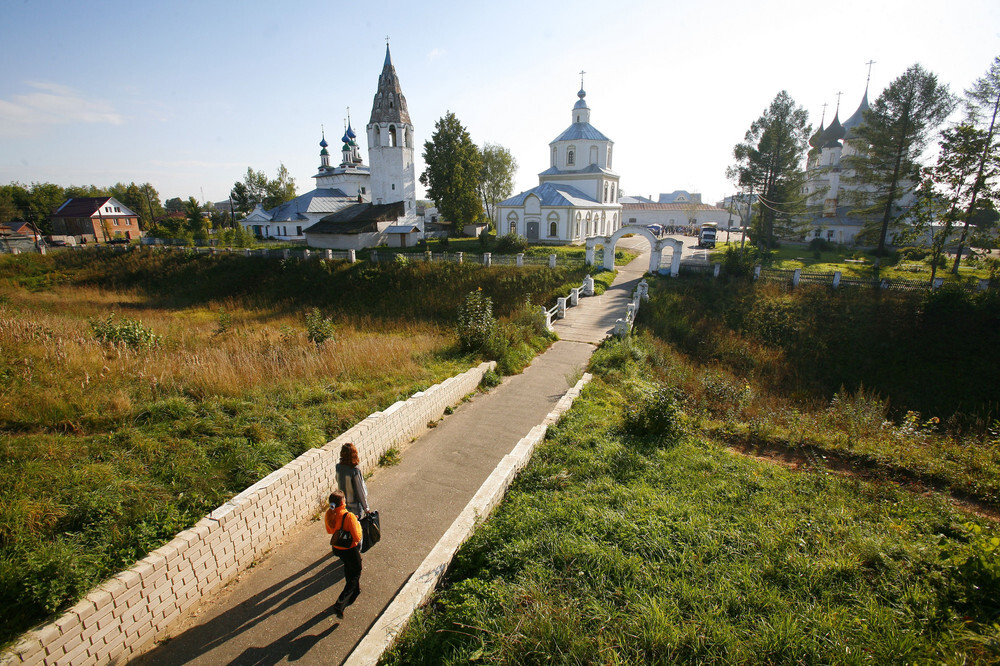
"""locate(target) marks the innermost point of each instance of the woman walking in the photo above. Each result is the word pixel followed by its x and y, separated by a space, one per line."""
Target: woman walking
pixel 351 481
pixel 346 543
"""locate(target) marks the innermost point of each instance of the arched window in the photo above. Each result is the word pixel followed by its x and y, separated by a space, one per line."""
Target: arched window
pixel 589 228
pixel 613 193
pixel 571 156
pixel 603 224
pixel 378 136
pixel 577 226
pixel 392 136
pixel 609 157
pixel 605 193
pixel 553 224
pixel 553 156
pixel 390 101
pixel 512 222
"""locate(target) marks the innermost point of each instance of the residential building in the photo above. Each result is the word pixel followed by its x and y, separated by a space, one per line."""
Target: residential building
pixel 95 220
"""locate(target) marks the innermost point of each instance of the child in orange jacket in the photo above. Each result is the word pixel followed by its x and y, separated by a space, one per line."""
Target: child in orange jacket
pixel 338 517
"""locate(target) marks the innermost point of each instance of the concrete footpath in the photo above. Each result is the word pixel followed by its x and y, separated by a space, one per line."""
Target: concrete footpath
pixel 278 611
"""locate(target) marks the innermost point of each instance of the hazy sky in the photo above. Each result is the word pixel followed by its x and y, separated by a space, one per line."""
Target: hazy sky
pixel 188 94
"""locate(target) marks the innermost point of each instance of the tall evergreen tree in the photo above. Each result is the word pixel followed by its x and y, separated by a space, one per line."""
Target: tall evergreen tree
pixel 890 143
pixel 979 161
pixel 453 171
pixel 769 164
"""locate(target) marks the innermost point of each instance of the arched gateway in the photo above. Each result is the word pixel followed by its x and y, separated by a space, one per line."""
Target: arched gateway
pixel 656 246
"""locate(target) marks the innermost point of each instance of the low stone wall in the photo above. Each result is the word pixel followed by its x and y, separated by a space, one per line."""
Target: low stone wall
pixel 123 616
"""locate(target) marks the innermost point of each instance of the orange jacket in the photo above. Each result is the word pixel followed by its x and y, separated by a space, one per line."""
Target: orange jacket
pixel 351 524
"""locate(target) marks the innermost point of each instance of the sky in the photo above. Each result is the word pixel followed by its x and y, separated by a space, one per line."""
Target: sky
pixel 188 94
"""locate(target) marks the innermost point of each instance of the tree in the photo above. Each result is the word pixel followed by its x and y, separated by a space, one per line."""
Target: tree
pixel 143 200
pixel 195 222
pixel 174 205
pixel 496 179
pixel 890 142
pixel 44 199
pixel 256 188
pixel 979 160
pixel 769 164
pixel 453 169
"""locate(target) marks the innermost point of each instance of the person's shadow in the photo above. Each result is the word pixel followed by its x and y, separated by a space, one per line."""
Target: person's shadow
pixel 300 586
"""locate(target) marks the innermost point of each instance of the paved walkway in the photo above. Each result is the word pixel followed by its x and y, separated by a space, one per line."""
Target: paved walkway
pixel 278 611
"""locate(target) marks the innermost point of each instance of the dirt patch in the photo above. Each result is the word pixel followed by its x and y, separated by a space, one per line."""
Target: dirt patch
pixel 806 458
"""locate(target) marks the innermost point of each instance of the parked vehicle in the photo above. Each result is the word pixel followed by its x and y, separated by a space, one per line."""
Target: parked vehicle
pixel 706 237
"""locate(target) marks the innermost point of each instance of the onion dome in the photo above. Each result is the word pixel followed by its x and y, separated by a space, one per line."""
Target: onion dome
pixel 833 134
pixel 350 132
pixel 324 151
pixel 346 140
pixel 582 103
pixel 323 144
pixel 858 119
pixel 814 140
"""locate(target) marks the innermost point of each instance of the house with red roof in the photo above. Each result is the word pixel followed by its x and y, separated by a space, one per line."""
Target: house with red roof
pixel 95 220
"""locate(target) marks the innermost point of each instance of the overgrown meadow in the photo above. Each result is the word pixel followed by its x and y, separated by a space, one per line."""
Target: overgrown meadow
pixel 139 390
pixel 755 478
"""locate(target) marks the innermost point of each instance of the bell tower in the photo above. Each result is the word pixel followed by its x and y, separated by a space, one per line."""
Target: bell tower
pixel 390 142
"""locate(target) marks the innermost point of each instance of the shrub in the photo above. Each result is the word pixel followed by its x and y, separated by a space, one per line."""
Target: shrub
pixel 484 238
pixel 490 379
pixel 401 259
pixel 476 323
pixel 129 333
pixel 912 253
pixel 511 244
pixel 820 245
pixel 320 328
pixel 657 414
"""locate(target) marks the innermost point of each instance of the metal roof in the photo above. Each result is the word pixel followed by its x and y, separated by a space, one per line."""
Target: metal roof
pixel 581 131
pixel 554 194
pixel 358 218
pixel 590 168
pixel 322 200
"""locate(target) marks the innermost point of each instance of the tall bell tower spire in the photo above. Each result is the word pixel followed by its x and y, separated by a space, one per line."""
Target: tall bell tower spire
pixel 390 142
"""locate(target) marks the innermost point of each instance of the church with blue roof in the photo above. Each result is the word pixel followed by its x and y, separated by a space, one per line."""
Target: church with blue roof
pixel 577 196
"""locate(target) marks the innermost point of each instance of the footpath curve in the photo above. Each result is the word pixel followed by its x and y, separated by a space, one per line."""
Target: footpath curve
pixel 278 611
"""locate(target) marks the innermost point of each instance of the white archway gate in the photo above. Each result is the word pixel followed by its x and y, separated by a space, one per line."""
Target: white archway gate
pixel 656 246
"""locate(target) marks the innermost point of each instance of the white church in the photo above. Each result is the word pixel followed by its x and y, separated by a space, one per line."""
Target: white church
pixel 577 196
pixel 830 185
pixel 353 205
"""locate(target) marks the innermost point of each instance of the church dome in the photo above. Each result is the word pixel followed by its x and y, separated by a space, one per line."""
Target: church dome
pixel 814 140
pixel 581 103
pixel 858 119
pixel 833 134
pixel 323 143
pixel 350 132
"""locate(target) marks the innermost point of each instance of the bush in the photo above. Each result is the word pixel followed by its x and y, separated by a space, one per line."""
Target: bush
pixel 490 379
pixel 511 244
pixel 476 323
pixel 912 253
pixel 484 238
pixel 129 333
pixel 319 328
pixel 658 415
pixel 820 245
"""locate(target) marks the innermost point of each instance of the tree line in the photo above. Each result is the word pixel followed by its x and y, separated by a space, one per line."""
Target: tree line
pixel 960 191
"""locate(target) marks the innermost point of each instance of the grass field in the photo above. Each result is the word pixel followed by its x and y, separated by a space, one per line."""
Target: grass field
pixel 634 538
pixel 140 390
pixel 853 262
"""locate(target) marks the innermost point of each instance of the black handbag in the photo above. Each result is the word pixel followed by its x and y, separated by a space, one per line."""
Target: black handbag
pixel 371 528
pixel 342 539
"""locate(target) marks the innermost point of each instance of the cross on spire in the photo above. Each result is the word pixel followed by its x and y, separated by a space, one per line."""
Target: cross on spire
pixel 387 40
pixel 869 63
pixel 823 118
pixel 581 78
pixel 838 100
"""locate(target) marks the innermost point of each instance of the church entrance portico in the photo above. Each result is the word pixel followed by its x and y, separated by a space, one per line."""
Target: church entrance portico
pixel 656 247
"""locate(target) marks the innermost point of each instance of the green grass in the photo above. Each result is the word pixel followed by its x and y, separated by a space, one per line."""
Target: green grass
pixel 576 253
pixel 620 546
pixel 791 257
pixel 140 390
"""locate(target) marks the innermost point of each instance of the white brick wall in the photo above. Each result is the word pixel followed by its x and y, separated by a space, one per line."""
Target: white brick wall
pixel 125 614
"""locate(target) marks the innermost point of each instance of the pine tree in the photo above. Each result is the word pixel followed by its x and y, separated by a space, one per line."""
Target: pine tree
pixel 890 143
pixel 769 163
